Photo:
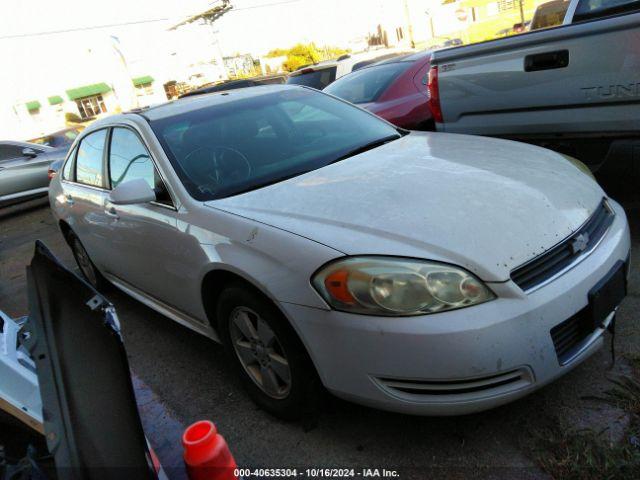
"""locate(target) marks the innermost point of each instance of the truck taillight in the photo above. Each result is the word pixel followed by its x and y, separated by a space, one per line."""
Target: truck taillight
pixel 434 95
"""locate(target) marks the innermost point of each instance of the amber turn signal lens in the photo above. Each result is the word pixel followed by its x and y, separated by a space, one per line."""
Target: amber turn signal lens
pixel 336 285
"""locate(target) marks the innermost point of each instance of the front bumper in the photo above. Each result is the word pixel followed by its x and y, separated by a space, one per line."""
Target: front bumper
pixel 461 361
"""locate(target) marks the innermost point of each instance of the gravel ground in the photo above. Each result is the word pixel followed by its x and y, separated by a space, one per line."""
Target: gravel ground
pixel 191 376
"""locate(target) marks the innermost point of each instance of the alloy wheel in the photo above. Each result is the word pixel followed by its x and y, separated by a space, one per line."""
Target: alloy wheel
pixel 260 352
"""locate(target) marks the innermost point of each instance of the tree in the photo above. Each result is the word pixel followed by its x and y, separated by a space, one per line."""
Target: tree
pixel 305 54
pixel 300 55
pixel 277 52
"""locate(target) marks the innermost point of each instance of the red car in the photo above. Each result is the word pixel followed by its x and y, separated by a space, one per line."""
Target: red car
pixel 394 89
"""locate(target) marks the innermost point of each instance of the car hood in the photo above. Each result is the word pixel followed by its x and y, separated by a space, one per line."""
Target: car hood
pixel 484 204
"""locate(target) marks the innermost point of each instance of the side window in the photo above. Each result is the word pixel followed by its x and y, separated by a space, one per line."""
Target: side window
pixel 591 9
pixel 89 159
pixel 10 151
pixel 129 159
pixel 68 166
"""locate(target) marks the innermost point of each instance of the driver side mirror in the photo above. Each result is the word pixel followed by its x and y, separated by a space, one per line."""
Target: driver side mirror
pixel 132 192
pixel 29 152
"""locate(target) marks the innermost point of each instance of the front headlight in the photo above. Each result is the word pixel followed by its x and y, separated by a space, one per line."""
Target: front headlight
pixel 397 287
pixel 579 165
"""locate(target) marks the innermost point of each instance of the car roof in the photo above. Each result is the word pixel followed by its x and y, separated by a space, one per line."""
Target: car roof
pixel 196 102
pixel 232 84
pixel 410 57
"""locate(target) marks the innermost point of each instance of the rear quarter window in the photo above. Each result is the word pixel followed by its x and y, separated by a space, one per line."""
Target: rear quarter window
pixel 89 164
pixel 67 170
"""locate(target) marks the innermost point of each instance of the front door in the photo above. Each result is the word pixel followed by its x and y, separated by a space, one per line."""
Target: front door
pixel 146 249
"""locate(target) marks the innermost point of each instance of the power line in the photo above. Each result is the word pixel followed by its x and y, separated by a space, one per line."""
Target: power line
pixel 135 22
pixel 80 29
pixel 265 5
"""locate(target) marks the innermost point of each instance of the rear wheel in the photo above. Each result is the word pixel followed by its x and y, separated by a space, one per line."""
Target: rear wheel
pixel 87 268
pixel 271 360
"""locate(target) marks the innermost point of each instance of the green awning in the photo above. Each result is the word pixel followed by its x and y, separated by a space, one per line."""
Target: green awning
pixel 88 91
pixel 138 81
pixel 33 105
pixel 55 100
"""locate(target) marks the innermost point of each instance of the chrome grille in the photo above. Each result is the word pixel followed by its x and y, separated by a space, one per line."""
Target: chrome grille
pixel 544 267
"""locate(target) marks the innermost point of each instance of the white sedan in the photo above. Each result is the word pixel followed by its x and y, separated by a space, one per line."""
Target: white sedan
pixel 424 273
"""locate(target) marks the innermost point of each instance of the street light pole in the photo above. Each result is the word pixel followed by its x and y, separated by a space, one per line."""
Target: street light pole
pixel 409 24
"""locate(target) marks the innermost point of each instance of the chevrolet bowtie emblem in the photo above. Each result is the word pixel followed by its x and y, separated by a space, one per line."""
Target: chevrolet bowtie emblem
pixel 580 243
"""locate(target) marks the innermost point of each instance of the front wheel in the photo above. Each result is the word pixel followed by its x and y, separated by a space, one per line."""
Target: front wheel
pixel 270 358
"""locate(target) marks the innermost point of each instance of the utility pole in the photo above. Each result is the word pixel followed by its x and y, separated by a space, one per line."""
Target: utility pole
pixel 431 28
pixel 522 13
pixel 407 14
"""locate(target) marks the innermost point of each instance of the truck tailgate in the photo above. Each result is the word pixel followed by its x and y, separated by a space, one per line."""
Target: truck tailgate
pixel 575 79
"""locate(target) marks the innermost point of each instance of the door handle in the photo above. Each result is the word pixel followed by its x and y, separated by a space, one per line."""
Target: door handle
pixel 69 199
pixel 546 61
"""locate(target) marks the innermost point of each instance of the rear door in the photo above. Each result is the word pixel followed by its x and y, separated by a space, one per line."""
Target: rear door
pixel 20 174
pixel 85 192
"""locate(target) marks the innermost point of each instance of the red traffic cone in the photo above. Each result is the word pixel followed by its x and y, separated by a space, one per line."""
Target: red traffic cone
pixel 206 453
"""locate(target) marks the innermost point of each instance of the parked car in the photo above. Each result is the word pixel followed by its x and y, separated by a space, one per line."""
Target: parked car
pixel 417 272
pixel 321 74
pixel 371 61
pixel 545 86
pixel 453 42
pixel 24 170
pixel 395 89
pixel 59 139
pixel 243 83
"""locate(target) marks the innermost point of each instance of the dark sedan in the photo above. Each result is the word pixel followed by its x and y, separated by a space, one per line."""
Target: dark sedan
pixel 242 83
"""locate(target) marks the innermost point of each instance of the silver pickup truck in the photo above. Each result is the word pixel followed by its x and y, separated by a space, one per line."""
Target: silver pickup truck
pixel 571 84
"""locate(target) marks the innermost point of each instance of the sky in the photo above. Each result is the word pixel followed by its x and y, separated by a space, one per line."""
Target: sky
pixel 35 36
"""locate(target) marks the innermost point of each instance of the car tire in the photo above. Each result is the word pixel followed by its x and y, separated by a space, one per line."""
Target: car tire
pixel 264 350
pixel 89 271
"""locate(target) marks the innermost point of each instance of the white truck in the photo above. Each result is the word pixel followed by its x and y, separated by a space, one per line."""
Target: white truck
pixel 571 84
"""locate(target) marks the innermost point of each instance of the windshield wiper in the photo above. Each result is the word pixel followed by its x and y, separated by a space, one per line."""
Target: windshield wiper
pixel 366 147
pixel 257 186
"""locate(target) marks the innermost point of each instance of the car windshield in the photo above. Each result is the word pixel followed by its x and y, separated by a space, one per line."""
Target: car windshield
pixel 244 144
pixel 368 84
pixel 313 78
